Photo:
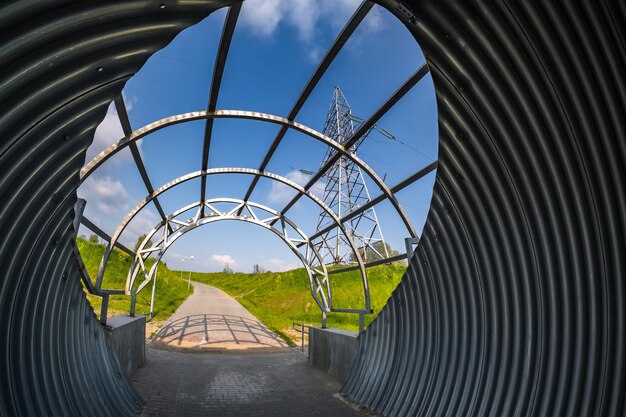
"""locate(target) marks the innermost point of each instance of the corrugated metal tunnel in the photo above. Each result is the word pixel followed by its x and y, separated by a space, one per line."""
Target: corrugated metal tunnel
pixel 514 301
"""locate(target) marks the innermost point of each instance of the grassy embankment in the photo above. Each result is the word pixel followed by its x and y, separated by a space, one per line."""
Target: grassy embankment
pixel 277 299
pixel 170 290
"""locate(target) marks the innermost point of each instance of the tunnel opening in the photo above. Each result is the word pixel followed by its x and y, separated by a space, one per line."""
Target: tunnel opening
pixel 343 192
pixel 513 302
pixel 348 234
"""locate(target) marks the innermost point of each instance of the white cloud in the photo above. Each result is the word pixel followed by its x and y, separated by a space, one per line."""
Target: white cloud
pixel 109 197
pixel 374 21
pixel 141 224
pixel 303 15
pixel 224 260
pixel 281 193
pixel 315 53
pixel 280 265
pixel 263 17
pixel 110 131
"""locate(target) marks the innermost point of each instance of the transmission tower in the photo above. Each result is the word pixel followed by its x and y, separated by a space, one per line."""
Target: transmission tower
pixel 345 191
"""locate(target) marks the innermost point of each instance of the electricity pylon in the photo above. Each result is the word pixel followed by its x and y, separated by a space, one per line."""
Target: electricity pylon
pixel 345 191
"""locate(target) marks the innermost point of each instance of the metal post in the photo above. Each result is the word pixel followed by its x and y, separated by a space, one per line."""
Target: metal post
pixel 104 308
pixel 153 290
pixel 323 319
pixel 181 268
pixel 361 321
pixel 79 209
pixel 409 242
pixel 189 280
pixel 133 301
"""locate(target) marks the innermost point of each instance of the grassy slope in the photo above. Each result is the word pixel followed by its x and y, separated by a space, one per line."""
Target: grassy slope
pixel 170 291
pixel 278 299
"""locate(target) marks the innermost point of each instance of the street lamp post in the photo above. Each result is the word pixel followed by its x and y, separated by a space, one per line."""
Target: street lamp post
pixel 181 268
pixel 189 281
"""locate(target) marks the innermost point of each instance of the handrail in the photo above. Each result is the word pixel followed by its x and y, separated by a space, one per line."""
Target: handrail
pixel 302 328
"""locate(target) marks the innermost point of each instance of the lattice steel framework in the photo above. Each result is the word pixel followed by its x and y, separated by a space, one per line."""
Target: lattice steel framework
pixel 345 191
pixel 337 222
pixel 343 226
pixel 179 223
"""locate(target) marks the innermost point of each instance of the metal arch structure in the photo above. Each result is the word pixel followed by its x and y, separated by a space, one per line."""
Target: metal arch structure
pixel 107 153
pixel 514 302
pixel 207 213
pixel 216 82
pixel 131 138
pixel 245 171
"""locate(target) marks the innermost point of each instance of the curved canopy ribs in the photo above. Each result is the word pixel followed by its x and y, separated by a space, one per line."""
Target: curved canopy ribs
pixel 238 210
pixel 173 228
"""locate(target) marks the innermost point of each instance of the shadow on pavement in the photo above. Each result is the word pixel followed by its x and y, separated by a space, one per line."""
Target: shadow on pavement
pixel 216 330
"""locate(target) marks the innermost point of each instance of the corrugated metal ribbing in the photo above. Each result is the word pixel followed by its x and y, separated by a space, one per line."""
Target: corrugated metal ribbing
pixel 61 63
pixel 515 302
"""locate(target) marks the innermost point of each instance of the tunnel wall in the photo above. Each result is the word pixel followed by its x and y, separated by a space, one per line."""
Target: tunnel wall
pixel 61 64
pixel 514 302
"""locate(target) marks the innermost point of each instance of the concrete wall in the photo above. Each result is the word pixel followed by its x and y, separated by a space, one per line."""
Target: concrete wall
pixel 332 350
pixel 127 337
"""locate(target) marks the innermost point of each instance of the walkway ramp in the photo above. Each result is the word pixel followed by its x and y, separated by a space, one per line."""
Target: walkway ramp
pixel 214 358
pixel 210 319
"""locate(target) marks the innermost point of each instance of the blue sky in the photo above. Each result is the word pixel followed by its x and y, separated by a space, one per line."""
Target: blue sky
pixel 276 47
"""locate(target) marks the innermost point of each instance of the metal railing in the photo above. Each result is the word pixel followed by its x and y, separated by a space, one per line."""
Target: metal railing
pixel 302 329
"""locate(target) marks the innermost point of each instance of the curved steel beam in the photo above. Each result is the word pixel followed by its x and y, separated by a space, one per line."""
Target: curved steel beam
pixel 103 156
pixel 122 115
pixel 323 299
pixel 330 56
pixel 244 171
pixel 216 82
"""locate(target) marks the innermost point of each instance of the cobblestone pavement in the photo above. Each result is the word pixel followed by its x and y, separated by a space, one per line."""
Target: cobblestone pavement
pixel 178 383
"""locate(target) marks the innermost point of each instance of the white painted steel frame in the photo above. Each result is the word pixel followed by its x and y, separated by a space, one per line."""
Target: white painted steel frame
pixel 243 171
pixel 207 213
pixel 247 115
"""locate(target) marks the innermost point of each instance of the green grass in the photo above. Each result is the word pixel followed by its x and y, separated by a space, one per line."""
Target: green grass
pixel 278 299
pixel 170 290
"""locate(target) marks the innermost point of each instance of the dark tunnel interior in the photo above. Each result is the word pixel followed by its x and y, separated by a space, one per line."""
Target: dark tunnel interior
pixel 514 300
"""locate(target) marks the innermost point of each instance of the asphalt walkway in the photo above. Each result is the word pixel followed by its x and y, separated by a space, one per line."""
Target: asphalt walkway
pixel 210 319
pixel 213 358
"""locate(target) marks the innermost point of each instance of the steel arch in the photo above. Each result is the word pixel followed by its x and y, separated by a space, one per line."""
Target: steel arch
pixel 107 153
pixel 244 171
pixel 311 260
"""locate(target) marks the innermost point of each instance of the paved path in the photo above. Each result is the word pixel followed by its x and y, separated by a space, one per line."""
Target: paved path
pixel 210 319
pixel 232 384
pixel 213 358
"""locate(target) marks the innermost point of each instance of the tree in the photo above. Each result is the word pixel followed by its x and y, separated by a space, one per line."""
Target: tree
pixel 227 269
pixel 93 238
pixel 369 254
pixel 141 239
pixel 257 269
